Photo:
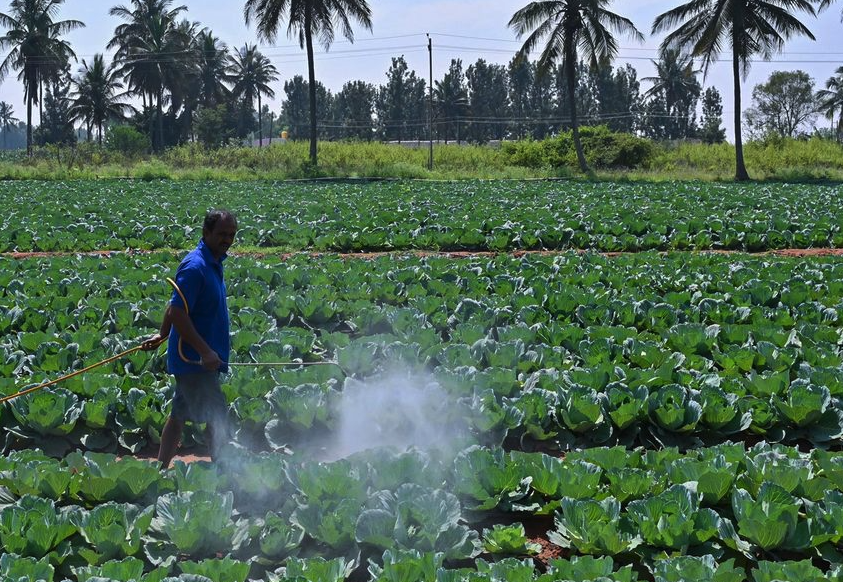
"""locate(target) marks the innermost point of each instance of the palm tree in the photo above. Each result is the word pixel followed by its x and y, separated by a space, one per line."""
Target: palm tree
pixel 831 100
pixel 97 96
pixel 213 60
pixel 150 47
pixel 676 80
pixel 36 49
pixel 181 75
pixel 250 74
pixel 751 27
pixel 7 119
pixel 825 4
pixel 306 19
pixel 571 27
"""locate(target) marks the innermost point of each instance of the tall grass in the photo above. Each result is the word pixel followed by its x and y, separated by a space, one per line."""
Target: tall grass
pixel 775 159
pixel 792 160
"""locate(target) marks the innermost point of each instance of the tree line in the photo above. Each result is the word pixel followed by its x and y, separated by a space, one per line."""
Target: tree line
pixel 192 86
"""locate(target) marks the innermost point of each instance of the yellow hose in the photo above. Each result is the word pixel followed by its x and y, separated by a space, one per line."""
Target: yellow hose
pixel 187 311
pixel 71 375
pixel 253 364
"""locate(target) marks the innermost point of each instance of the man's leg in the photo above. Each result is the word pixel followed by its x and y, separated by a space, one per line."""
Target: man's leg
pixel 170 437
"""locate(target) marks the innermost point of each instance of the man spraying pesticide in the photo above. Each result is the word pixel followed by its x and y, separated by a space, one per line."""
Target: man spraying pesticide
pixel 197 325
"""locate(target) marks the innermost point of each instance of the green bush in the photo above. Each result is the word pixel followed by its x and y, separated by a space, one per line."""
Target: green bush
pixel 606 149
pixel 526 153
pixel 127 141
pixel 602 147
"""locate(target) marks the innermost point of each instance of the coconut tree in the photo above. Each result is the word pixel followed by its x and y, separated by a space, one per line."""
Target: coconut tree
pixel 574 29
pixel 97 95
pixel 7 119
pixel 307 19
pixel 34 37
pixel 703 28
pixel 825 4
pixel 150 46
pixel 676 81
pixel 213 60
pixel 250 74
pixel 831 101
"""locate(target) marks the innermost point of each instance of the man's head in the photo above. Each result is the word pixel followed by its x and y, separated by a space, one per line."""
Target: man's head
pixel 218 231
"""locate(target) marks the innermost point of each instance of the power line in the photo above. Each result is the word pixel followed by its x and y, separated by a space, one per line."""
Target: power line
pixel 628 48
pixel 637 58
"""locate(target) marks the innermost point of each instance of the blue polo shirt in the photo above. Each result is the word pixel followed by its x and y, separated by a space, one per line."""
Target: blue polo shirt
pixel 200 278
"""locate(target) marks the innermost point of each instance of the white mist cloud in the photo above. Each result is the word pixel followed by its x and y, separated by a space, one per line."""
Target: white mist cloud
pixel 399 410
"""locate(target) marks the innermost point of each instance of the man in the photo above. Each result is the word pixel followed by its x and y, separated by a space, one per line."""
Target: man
pixel 198 348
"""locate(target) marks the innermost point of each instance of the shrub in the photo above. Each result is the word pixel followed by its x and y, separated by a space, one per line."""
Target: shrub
pixel 606 149
pixel 602 147
pixel 526 153
pixel 152 170
pixel 127 141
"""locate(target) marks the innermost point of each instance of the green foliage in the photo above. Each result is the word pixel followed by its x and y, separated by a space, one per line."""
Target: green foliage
pixel 603 149
pixel 113 531
pixel 417 518
pixel 508 540
pixel 212 129
pixel 127 140
pixel 779 160
pixel 218 570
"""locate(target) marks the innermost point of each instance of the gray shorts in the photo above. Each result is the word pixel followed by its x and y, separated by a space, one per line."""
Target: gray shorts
pixel 199 398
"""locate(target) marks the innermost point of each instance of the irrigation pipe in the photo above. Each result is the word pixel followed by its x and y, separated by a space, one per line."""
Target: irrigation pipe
pixel 139 348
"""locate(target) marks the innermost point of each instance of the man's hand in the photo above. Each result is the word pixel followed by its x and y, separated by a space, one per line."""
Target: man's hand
pixel 152 343
pixel 210 361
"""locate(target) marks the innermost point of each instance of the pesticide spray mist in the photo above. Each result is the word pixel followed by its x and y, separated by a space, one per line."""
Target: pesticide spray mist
pixel 399 410
pixel 396 410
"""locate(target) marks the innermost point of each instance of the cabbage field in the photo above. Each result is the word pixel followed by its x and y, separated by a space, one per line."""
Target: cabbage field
pixel 446 216
pixel 541 417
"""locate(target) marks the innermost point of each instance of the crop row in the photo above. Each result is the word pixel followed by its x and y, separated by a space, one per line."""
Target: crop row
pixel 741 505
pixel 570 349
pixel 385 216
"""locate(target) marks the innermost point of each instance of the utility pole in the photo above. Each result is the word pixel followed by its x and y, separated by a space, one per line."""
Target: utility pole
pixel 430 104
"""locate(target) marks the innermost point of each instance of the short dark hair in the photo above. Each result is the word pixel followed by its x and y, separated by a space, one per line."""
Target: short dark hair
pixel 214 216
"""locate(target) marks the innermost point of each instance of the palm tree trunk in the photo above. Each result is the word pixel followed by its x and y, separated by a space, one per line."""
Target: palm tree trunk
pixel 271 126
pixel 311 75
pixel 260 122
pixel 152 121
pixel 28 126
pixel 571 78
pixel 741 175
pixel 99 134
pixel 160 120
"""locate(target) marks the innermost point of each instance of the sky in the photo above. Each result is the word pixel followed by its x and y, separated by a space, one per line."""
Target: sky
pixel 464 29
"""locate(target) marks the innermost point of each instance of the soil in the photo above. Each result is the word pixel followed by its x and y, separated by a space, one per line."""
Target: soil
pixel 190 455
pixel 536 528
